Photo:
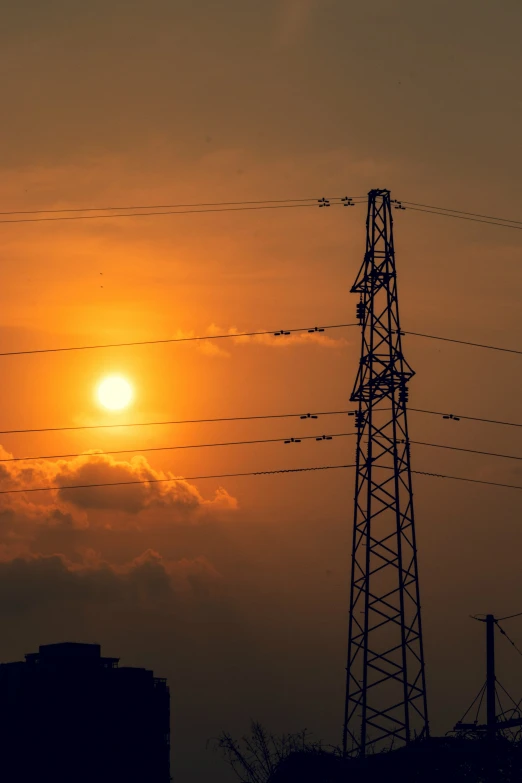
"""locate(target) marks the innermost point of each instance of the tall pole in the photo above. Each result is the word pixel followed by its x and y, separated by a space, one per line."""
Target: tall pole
pixel 385 685
pixel 491 719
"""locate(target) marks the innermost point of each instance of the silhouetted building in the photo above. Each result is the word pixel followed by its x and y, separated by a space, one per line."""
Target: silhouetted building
pixel 69 715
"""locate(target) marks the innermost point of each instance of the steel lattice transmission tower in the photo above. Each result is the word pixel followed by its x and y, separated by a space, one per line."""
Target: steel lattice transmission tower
pixel 385 690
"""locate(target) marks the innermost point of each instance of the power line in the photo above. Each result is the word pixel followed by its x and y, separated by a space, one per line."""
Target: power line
pixel 510 640
pixel 180 206
pixel 312 201
pixel 314 415
pixel 453 416
pixel 461 217
pixel 460 448
pixel 280 333
pixel 177 212
pixel 236 206
pixel 237 475
pixel 262 417
pixel 284 440
pixel 471 480
pixel 179 478
pixel 457 417
pixel 463 342
pixel 511 616
pixel 460 212
pixel 189 446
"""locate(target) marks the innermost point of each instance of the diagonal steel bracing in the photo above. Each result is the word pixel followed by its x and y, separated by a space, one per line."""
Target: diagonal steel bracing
pixel 385 689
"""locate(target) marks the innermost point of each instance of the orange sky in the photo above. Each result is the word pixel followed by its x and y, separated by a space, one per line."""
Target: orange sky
pixel 181 102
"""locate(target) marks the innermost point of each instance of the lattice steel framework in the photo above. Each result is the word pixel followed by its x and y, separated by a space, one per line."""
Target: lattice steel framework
pixel 385 689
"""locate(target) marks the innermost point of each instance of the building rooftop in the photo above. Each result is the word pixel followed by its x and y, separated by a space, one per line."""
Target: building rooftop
pixel 70 652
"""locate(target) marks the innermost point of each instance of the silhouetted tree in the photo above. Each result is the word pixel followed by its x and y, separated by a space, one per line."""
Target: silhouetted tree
pixel 262 757
pixel 256 756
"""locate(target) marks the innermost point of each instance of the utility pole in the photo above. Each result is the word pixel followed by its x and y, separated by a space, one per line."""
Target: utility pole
pixel 385 687
pixel 491 698
pixel 496 724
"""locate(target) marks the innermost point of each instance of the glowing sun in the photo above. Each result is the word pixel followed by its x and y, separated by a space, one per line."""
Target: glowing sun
pixel 114 393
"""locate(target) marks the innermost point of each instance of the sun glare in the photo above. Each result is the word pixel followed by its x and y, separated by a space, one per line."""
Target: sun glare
pixel 115 393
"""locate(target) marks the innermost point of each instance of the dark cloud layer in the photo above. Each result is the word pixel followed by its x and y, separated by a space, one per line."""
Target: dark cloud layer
pixel 38 583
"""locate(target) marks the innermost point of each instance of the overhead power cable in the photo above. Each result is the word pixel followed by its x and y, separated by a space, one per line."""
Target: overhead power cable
pixel 460 448
pixel 188 446
pixel 232 335
pixel 312 199
pixel 318 203
pixel 457 417
pixel 510 616
pixel 75 213
pixel 505 224
pixel 463 342
pixel 170 480
pixel 287 440
pixel 280 333
pixel 463 217
pixel 510 640
pixel 460 212
pixel 470 480
pixel 314 415
pixel 237 475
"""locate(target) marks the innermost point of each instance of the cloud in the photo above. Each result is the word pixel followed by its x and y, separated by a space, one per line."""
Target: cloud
pixel 211 348
pixel 148 582
pixel 133 498
pixel 270 340
pixel 218 348
pixel 73 520
pixel 165 490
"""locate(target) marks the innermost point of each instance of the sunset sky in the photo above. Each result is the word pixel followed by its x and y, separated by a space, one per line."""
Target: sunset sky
pixel 236 590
